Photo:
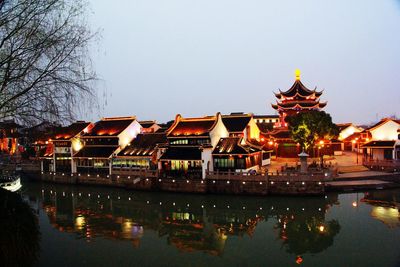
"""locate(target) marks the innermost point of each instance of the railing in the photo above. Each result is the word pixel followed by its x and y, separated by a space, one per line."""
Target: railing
pixel 190 174
pixel 136 172
pixel 230 175
pixel 322 175
pixel 384 165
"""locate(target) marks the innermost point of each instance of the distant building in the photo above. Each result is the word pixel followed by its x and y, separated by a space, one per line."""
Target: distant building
pixel 54 149
pixel 347 129
pixel 384 142
pixel 10 133
pixel 267 122
pixel 62 144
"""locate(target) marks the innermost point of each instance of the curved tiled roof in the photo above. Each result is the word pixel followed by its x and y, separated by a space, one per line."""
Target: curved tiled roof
pixel 299 105
pixel 236 123
pixel 143 145
pixel 233 146
pixel 110 127
pixel 66 133
pixel 299 89
pixel 192 126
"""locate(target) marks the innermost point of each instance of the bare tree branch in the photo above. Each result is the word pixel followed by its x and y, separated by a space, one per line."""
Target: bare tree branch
pixel 45 68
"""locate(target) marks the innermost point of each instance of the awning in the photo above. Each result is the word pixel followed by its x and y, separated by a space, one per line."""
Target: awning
pixel 379 144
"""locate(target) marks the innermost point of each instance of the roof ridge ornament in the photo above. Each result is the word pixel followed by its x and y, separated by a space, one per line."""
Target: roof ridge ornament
pixel 297 74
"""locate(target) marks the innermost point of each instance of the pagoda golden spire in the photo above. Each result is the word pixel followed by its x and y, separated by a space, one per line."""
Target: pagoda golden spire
pixel 297 74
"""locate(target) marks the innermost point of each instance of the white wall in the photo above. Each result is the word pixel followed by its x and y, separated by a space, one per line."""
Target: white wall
pixel 266 162
pixel 349 131
pixel 386 131
pixel 206 161
pixel 130 133
pixel 254 131
pixel 218 132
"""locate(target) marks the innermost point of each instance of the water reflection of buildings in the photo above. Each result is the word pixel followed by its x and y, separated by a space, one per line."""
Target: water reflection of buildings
pixel 190 223
pixel 385 206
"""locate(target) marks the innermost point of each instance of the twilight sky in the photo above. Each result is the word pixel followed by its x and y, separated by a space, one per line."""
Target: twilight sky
pixel 158 58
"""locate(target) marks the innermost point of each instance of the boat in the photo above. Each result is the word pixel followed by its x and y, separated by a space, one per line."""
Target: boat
pixel 10 182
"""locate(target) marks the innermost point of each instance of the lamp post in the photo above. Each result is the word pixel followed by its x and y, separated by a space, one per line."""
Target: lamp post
pixel 320 152
pixel 356 143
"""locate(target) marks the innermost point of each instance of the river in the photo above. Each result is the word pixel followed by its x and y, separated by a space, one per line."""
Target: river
pixel 92 226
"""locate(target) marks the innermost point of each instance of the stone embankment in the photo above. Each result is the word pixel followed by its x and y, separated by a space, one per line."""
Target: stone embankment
pixel 283 184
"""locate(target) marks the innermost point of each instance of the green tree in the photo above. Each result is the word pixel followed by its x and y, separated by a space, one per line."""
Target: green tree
pixel 308 127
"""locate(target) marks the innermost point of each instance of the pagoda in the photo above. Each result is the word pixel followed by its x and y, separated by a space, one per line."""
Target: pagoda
pixel 297 99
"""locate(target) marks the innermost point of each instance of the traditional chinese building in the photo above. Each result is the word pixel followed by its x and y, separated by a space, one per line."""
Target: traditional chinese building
pixel 242 150
pixel 93 150
pixel 267 122
pixel 190 144
pixel 9 137
pixel 297 99
pixel 383 142
pixel 142 153
pixel 62 145
pixel 241 125
pixel 55 148
pixel 234 154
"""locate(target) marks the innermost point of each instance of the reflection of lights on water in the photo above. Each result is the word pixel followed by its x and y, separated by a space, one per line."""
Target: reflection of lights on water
pixel 299 259
pixel 388 215
pixel 80 222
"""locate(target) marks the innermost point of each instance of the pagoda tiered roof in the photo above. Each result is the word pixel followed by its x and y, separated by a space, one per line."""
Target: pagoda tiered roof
pixel 298 90
pixel 298 97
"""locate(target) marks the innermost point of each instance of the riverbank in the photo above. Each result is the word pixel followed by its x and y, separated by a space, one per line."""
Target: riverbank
pixel 283 184
pixel 263 185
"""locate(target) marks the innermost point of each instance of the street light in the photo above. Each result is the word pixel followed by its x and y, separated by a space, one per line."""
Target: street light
pixel 356 141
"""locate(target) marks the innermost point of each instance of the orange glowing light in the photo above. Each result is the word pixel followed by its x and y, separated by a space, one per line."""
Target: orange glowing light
pixel 262 139
pixel 299 260
pixel 354 204
pixel 321 142
pixel 354 141
pixel 321 228
pixel 270 143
